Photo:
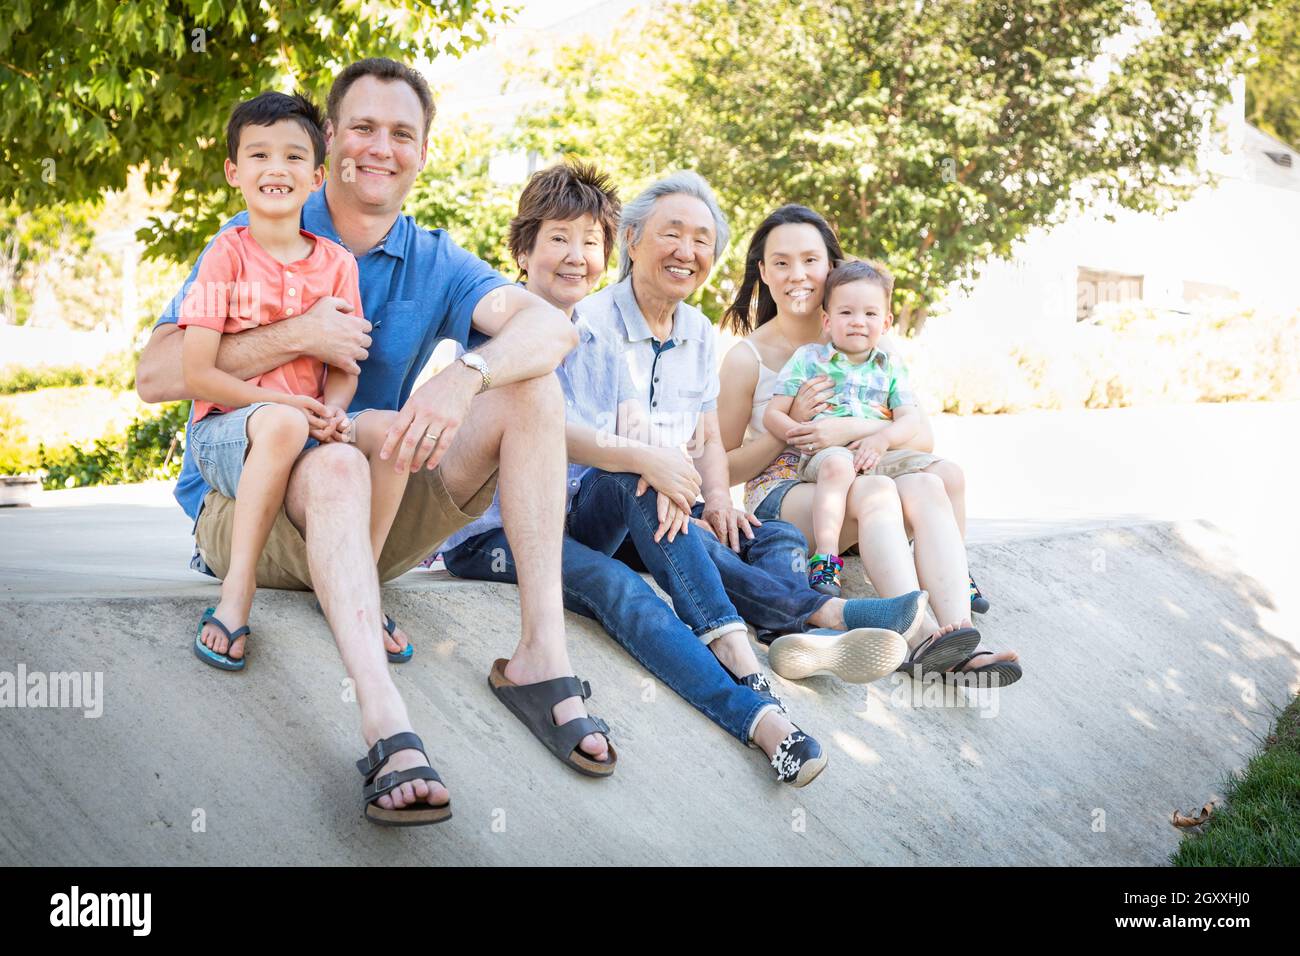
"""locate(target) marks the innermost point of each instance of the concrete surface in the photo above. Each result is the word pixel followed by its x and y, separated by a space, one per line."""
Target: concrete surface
pixel 1156 643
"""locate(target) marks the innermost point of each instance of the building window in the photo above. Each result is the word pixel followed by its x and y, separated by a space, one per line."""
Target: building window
pixel 1096 288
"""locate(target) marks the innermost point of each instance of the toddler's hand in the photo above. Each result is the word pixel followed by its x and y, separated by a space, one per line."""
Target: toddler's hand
pixel 868 454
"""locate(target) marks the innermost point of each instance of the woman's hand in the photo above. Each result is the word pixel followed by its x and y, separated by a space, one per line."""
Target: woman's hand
pixel 812 437
pixel 670 473
pixel 672 519
pixel 813 398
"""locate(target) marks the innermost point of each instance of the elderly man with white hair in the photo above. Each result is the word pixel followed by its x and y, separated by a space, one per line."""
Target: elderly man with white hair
pixel 669 238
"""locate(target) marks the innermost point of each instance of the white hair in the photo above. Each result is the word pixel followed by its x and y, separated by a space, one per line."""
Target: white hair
pixel 637 212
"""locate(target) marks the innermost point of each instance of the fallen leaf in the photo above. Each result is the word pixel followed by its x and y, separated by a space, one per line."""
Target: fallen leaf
pixel 1183 821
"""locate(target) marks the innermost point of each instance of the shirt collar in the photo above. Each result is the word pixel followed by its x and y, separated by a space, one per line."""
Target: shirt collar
pixel 585 334
pixel 877 357
pixel 634 322
pixel 316 219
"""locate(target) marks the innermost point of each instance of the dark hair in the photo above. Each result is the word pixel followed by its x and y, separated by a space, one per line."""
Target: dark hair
pixel 564 191
pixel 267 109
pixel 753 294
pixel 381 68
pixel 859 270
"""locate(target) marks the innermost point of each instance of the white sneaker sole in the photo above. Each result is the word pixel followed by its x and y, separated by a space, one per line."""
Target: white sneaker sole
pixel 856 657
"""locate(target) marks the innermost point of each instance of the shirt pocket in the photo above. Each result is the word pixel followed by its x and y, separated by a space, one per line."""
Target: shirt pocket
pixel 873 395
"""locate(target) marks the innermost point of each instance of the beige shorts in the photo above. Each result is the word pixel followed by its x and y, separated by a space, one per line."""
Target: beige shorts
pixel 892 464
pixel 425 518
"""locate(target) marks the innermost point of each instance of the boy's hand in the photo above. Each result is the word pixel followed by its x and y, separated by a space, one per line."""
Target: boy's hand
pixel 868 453
pixel 314 410
pixel 813 398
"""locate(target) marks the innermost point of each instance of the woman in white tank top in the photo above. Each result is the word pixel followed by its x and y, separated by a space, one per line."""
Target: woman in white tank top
pixel 778 309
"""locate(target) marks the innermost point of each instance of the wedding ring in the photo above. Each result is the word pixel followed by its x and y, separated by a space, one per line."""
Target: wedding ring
pixel 431 436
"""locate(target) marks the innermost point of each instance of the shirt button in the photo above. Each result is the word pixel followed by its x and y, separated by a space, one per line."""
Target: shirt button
pixel 288 311
pixel 655 403
pixel 288 275
pixel 656 379
pixel 293 291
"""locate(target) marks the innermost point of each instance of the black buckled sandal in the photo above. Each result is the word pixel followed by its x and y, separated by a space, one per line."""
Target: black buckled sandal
pixel 532 704
pixel 418 814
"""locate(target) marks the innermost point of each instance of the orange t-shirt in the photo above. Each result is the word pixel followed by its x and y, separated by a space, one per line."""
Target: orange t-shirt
pixel 241 286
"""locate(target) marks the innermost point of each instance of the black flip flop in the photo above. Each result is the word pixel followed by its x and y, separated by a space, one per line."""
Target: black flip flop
pixel 939 652
pixel 400 657
pixel 532 704
pixel 418 814
pixel 997 674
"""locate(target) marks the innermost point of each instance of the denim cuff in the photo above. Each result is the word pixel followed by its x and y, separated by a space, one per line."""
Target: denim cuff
pixel 726 627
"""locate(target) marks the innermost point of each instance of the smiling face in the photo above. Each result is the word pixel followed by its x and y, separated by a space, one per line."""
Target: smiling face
pixel 378 146
pixel 857 316
pixel 275 169
pixel 566 260
pixel 794 267
pixel 675 253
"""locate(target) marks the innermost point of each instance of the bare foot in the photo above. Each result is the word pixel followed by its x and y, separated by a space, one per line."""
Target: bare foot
pixel 234 614
pixel 532 669
pixel 412 791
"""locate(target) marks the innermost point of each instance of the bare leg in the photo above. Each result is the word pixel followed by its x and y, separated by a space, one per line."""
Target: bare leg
pixel 940 553
pixel 954 484
pixel 518 431
pixel 329 501
pixel 834 478
pixel 387 485
pixel 276 434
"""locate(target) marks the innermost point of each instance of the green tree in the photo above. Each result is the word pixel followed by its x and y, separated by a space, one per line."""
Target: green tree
pixel 1273 83
pixel 932 134
pixel 94 88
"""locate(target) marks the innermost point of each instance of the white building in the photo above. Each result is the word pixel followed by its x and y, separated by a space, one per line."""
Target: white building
pixel 1236 239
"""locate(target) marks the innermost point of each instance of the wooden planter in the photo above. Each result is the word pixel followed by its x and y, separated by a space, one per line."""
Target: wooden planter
pixel 18 491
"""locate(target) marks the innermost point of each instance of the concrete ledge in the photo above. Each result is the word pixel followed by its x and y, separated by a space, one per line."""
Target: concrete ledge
pixel 1152 666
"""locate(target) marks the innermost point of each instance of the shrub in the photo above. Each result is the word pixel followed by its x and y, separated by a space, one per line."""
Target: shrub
pixel 151 448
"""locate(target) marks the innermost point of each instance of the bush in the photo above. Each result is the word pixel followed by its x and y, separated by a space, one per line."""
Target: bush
pixel 116 372
pixel 151 448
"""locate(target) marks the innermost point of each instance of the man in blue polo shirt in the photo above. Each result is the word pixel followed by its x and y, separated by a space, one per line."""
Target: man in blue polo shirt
pixel 497 410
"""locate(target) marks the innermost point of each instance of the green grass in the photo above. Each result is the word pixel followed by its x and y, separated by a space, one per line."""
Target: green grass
pixel 1259 823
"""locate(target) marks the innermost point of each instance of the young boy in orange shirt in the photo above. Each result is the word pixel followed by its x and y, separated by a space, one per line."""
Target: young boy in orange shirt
pixel 246 436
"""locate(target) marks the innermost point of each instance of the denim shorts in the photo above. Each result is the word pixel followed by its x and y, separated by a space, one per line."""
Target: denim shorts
pixel 219 444
pixel 770 507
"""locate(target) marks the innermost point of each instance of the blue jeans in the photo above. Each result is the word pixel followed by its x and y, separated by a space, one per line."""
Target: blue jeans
pixel 768 580
pixel 606 510
pixel 619 599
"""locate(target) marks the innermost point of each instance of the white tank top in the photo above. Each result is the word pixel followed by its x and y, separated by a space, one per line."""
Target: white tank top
pixel 762 393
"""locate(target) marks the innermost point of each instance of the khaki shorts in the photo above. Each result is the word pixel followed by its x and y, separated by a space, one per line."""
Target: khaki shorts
pixel 425 518
pixel 892 464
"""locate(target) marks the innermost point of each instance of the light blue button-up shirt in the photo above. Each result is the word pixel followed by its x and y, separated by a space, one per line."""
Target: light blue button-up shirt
pixel 593 386
pixel 668 384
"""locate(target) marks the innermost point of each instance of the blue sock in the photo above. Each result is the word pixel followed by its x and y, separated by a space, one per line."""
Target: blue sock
pixel 894 614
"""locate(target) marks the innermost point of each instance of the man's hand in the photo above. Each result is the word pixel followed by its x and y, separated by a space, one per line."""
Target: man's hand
pixel 867 455
pixel 332 334
pixel 670 473
pixel 813 398
pixel 729 522
pixel 426 426
pixel 812 437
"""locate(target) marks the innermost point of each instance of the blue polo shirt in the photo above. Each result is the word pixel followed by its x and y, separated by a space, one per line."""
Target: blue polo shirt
pixel 417 287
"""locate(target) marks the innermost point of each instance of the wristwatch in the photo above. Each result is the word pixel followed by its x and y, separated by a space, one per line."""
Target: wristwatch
pixel 476 362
